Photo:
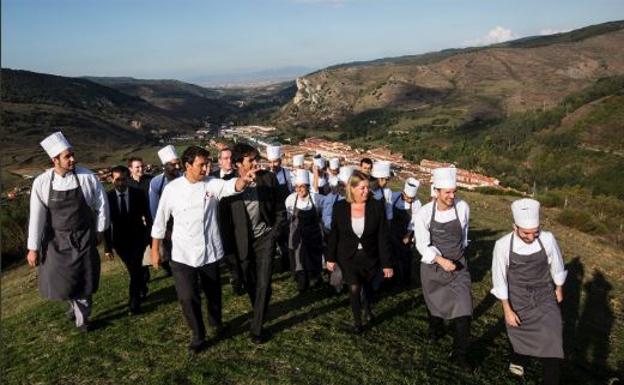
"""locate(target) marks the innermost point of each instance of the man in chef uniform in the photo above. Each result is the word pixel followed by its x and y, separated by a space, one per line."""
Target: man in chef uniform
pixel 379 185
pixel 527 276
pixel 171 170
pixel 441 232
pixel 68 216
pixel 196 239
pixel 285 188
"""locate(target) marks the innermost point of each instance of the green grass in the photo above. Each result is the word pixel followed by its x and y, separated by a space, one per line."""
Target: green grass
pixel 311 342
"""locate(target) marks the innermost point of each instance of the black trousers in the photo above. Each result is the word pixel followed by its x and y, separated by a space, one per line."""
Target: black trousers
pixel 461 335
pixel 133 260
pixel 550 367
pixel 257 267
pixel 189 283
pixel 282 245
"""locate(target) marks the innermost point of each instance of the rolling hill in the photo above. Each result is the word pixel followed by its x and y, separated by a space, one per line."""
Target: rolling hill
pixel 461 85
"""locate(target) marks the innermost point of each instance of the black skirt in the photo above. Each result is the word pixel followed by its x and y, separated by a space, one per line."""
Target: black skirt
pixel 358 268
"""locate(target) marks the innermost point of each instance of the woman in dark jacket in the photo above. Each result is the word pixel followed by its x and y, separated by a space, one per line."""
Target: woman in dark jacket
pixel 359 243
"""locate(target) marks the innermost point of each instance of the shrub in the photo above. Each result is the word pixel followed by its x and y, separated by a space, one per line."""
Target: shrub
pixel 581 220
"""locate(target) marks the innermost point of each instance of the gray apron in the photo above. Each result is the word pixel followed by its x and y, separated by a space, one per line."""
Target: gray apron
pixel 532 298
pixel 305 240
pixel 447 294
pixel 70 264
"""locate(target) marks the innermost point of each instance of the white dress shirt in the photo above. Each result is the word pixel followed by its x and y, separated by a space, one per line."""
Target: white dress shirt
pixel 399 203
pixel 304 203
pixel 91 189
pixel 196 238
pixel 500 260
pixel 386 195
pixel 422 221
pixel 328 208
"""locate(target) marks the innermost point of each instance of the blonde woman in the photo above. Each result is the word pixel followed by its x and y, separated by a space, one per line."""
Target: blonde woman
pixel 359 243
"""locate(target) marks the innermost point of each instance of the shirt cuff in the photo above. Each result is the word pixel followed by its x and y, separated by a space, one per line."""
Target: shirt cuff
pixel 560 277
pixel 34 245
pixel 430 255
pixel 157 234
pixel 500 292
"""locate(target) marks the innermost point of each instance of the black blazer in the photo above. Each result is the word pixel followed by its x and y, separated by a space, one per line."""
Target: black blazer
pixel 342 243
pixel 129 234
pixel 224 217
pixel 272 211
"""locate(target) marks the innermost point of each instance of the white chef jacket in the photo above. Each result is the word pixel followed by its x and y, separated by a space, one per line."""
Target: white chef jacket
pixel 92 189
pixel 196 239
pixel 304 204
pixel 500 260
pixel 423 220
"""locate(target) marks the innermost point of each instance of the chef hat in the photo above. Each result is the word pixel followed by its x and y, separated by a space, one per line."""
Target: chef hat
pixel 381 169
pixel 526 213
pixel 298 160
pixel 55 144
pixel 302 177
pixel 319 162
pixel 274 152
pixel 334 164
pixel 345 173
pixel 167 154
pixel 411 187
pixel 445 177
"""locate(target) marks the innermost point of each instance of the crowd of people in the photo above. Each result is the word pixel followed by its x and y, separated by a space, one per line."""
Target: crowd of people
pixel 192 221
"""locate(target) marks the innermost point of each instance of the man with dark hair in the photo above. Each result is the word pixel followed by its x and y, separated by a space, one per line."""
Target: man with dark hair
pixel 68 216
pixel 366 166
pixel 258 216
pixel 128 234
pixel 226 172
pixel 196 240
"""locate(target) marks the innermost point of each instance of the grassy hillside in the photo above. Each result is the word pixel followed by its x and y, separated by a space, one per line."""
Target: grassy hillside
pixel 183 100
pixel 311 343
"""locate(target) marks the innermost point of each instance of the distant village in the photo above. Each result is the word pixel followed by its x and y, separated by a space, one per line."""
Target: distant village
pixel 262 136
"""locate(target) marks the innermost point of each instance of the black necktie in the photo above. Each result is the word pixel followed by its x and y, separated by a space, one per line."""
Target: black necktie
pixel 123 210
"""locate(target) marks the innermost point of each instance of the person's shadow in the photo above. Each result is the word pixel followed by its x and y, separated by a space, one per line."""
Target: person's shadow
pixel 594 326
pixel 571 305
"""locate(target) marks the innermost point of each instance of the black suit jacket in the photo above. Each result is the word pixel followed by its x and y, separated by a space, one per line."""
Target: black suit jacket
pixel 272 211
pixel 342 243
pixel 224 217
pixel 129 233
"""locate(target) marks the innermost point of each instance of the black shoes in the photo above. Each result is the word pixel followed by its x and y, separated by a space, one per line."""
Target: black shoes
pixel 434 335
pixel 84 328
pixel 259 339
pixel 358 330
pixel 196 346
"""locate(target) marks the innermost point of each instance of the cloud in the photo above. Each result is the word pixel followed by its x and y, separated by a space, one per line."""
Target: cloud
pixel 552 31
pixel 496 35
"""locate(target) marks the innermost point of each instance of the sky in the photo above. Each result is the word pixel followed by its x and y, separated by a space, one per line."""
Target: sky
pixel 194 39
